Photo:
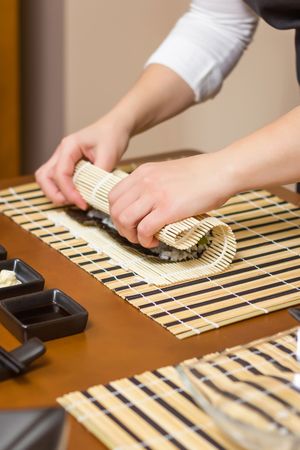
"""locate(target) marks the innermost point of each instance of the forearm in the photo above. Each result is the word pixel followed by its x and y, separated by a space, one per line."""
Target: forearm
pixel 190 65
pixel 269 156
pixel 158 95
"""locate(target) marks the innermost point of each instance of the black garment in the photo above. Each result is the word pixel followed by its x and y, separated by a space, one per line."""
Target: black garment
pixel 281 14
pixel 284 15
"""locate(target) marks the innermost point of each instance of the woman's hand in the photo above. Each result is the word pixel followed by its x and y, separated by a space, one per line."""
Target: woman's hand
pixel 157 95
pixel 102 143
pixel 157 194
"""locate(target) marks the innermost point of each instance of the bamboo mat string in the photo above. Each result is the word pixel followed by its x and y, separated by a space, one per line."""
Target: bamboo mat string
pixel 277 205
pixel 255 232
pixel 269 240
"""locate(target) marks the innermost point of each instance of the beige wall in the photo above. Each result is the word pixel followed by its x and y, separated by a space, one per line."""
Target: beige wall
pixel 42 80
pixel 107 43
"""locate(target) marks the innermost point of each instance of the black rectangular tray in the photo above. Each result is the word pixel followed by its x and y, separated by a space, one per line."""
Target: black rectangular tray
pixel 47 315
pixel 31 280
pixel 3 252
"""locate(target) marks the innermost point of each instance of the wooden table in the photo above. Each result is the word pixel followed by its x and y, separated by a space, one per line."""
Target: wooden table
pixel 118 342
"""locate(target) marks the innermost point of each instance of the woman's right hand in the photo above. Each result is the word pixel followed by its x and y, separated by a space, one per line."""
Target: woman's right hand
pixel 103 143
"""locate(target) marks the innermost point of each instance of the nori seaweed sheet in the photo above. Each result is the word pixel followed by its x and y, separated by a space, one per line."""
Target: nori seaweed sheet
pixel 92 217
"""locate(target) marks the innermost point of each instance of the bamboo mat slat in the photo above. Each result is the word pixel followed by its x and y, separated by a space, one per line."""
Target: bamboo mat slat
pixel 263 277
pixel 155 410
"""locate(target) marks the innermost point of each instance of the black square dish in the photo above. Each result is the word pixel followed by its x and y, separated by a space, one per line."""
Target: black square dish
pixel 31 281
pixel 33 429
pixel 47 315
pixel 3 252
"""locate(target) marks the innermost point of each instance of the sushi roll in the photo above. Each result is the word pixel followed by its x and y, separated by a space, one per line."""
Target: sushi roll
pixel 162 252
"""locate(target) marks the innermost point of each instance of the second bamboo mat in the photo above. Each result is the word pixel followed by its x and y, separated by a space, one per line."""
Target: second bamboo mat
pixel 264 276
pixel 154 410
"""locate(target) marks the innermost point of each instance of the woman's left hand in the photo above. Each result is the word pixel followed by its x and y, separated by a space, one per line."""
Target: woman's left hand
pixel 156 194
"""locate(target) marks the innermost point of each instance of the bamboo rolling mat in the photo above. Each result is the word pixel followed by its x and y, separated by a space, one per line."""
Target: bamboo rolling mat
pixel 263 277
pixel 215 259
pixel 94 185
pixel 154 410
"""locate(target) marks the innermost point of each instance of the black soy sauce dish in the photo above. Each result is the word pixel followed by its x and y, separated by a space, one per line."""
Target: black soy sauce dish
pixel 295 313
pixel 31 281
pixel 3 252
pixel 47 315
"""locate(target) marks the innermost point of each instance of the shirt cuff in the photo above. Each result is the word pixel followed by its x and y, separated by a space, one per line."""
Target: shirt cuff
pixel 197 68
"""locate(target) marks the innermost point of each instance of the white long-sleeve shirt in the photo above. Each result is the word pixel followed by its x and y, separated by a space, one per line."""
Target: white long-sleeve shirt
pixel 206 43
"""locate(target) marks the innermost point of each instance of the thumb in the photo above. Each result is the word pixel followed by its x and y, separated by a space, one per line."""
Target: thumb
pixel 105 159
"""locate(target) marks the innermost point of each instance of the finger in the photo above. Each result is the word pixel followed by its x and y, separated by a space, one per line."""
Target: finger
pixel 46 170
pixel 122 203
pixel 44 177
pixel 130 217
pixel 64 177
pixel 123 186
pixel 151 224
pixel 69 191
pixel 52 192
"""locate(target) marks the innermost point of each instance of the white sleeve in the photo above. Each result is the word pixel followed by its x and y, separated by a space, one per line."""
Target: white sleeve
pixel 206 43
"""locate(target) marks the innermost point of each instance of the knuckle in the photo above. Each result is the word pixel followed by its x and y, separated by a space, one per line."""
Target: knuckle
pixel 120 230
pixel 125 220
pixel 144 230
pixel 147 181
pixel 69 142
pixel 144 169
pixel 37 173
pixel 57 201
pixel 64 141
pixel 132 237
pixel 40 174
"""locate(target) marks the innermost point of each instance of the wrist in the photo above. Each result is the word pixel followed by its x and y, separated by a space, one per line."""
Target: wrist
pixel 225 172
pixel 231 163
pixel 131 112
pixel 120 120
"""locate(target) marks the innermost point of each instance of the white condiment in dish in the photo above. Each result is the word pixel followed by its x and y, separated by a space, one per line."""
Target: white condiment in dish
pixel 8 278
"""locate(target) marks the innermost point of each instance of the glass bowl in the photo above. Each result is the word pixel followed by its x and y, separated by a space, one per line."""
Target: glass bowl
pixel 257 407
